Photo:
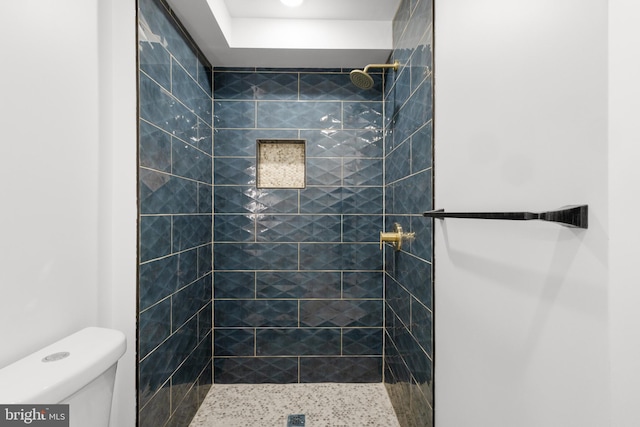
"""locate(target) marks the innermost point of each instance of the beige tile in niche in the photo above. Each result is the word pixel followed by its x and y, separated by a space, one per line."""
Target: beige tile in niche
pixel 281 164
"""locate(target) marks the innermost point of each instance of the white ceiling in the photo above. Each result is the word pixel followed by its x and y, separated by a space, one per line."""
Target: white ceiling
pixel 265 33
pixel 368 10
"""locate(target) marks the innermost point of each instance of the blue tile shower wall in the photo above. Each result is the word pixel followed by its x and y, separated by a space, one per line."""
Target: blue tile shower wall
pixel 408 99
pixel 298 283
pixel 176 214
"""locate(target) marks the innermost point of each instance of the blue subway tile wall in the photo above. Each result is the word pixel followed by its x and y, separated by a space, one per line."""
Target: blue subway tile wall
pixel 175 337
pixel 408 101
pixel 298 283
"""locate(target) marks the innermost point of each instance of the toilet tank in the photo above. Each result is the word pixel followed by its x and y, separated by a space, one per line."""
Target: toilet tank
pixel 78 370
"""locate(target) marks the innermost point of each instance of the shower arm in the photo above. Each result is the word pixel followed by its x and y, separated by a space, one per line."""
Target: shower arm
pixel 571 216
pixel 395 66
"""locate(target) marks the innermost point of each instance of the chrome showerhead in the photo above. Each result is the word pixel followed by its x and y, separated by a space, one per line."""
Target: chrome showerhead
pixel 363 80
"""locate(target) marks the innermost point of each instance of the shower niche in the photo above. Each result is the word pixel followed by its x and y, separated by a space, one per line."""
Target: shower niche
pixel 281 163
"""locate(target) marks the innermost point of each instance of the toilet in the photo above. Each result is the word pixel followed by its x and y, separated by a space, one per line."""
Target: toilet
pixel 78 370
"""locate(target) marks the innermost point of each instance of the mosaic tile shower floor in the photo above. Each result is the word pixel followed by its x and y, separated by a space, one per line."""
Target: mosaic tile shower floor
pixel 268 405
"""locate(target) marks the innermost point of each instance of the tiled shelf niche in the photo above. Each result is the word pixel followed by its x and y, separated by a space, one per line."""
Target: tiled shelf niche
pixel 281 163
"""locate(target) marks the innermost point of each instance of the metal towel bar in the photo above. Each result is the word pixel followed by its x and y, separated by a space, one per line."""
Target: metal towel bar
pixel 570 216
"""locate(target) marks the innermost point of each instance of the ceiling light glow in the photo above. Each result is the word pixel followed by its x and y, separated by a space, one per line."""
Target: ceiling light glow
pixel 291 3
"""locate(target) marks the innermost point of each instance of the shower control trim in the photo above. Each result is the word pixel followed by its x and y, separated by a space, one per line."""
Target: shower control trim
pixel 395 237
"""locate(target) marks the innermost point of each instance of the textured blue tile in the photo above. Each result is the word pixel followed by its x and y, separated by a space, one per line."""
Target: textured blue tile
pixel 155 148
pixel 362 200
pixel 185 88
pixel 242 142
pixel 298 228
pixel 291 114
pixel 187 302
pixel 362 171
pixel 394 361
pixel 283 284
pixel 415 275
pixel 154 60
pixel 205 321
pixel 361 228
pixel 343 143
pixel 362 115
pixel 234 228
pixel 184 397
pixel 337 86
pixel 235 171
pixel 402 88
pixel 398 164
pixel 234 342
pixel 158 26
pixel 256 313
pixel 155 237
pixel 154 326
pixel 324 171
pixel 340 313
pixel 205 76
pixel 205 262
pixel 297 341
pixel 421 325
pixel 205 198
pixel 388 203
pixel 389 112
pixel 253 85
pixel 238 199
pixel 255 256
pixel 256 370
pixel 415 113
pixel 165 194
pixel 398 300
pixel 191 231
pixel 158 107
pixel 414 356
pixel 189 162
pixel 321 256
pixel 162 277
pixel 234 114
pixel 203 138
pixel 321 200
pixel 422 148
pixel 157 409
pixel 413 195
pixel 362 284
pixel 421 246
pixel 234 284
pixel 422 60
pixel 160 364
pixel 389 134
pixel 187 374
pixel 341 369
pixel 362 341
pixel 344 256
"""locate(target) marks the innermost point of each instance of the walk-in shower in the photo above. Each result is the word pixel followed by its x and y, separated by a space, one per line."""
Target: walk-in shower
pixel 244 283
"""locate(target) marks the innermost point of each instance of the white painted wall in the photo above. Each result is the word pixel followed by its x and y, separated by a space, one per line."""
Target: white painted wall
pixel 522 326
pixel 624 232
pixel 67 258
pixel 49 176
pixel 117 169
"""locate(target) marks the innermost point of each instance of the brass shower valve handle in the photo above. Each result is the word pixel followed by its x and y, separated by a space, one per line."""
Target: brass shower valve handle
pixel 395 237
